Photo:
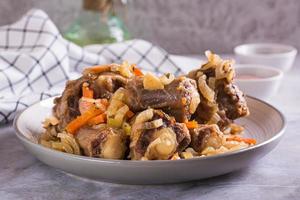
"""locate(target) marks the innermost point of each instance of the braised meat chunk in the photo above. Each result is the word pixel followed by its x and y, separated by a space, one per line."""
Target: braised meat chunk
pixel 155 135
pixel 107 83
pixel 103 85
pixel 232 101
pixel 205 136
pixel 66 107
pixel 102 142
pixel 180 98
pixel 221 100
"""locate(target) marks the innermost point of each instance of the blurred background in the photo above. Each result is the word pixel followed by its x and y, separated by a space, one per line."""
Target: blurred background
pixel 185 27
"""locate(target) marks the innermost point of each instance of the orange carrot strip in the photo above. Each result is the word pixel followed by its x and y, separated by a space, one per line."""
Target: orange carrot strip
pixel 239 139
pixel 137 72
pixel 87 92
pixel 96 69
pixel 81 120
pixel 104 102
pixel 97 120
pixel 129 114
pixel 183 101
pixel 191 124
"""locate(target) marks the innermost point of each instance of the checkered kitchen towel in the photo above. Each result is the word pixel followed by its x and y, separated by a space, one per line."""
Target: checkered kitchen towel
pixel 35 61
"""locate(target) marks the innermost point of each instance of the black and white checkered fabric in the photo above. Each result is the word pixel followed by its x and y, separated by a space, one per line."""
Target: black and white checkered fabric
pixel 36 61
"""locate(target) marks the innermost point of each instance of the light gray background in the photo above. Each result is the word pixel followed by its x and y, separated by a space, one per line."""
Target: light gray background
pixel 187 26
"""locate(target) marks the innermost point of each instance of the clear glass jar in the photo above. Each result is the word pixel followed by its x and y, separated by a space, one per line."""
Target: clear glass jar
pixel 97 23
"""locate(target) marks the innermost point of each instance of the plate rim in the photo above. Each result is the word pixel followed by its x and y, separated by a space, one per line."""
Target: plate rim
pixel 277 136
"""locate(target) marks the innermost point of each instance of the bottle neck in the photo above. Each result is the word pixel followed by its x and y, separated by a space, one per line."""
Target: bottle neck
pixel 103 6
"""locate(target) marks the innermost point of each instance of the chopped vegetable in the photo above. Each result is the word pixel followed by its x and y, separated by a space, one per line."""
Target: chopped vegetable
pixel 97 69
pixel 120 115
pixel 116 102
pixel 125 69
pixel 126 128
pixel 129 114
pixel 205 90
pixel 166 79
pixel 119 94
pixel 191 124
pixel 103 102
pixel 175 157
pixel 144 116
pixel 137 71
pixel 81 120
pixel 183 100
pixel 151 82
pixel 113 107
pixel 154 124
pixel 97 120
pixel 69 139
pixel 239 139
pixel 112 122
pixel 214 119
pixel 86 103
pixel 86 91
pixel 50 121
pixel 235 128
pixel 187 155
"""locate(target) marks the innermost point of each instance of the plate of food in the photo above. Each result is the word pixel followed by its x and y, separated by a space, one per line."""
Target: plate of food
pixel 117 124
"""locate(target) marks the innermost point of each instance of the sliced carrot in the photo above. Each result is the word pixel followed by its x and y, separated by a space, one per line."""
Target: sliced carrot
pixel 239 139
pixel 175 156
pixel 183 101
pixel 137 72
pixel 191 124
pixel 83 119
pixel 96 69
pixel 104 102
pixel 87 92
pixel 129 114
pixel 97 120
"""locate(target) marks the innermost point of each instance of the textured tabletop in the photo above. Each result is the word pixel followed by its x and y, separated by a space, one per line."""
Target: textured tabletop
pixel 276 176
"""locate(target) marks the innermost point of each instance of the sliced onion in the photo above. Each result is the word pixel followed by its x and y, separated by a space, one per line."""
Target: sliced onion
pixel 154 124
pixel 225 70
pixel 50 121
pixel 175 157
pixel 206 91
pixel 68 138
pixel 195 100
pixel 163 147
pixel 119 94
pixel 214 119
pixel 212 83
pixel 166 79
pixel 45 143
pixel 125 70
pixel 144 116
pixel 187 155
pixel 151 82
pixel 120 115
pixel 116 102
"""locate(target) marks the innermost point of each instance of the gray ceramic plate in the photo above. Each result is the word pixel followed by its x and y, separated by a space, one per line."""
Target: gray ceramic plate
pixel 266 124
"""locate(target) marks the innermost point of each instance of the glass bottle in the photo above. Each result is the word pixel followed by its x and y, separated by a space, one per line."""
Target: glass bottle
pixel 97 23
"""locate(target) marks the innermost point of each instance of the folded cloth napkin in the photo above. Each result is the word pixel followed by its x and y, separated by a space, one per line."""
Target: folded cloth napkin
pixel 36 61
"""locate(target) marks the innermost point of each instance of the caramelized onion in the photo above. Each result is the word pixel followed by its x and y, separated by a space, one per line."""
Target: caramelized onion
pixel 154 124
pixel 205 90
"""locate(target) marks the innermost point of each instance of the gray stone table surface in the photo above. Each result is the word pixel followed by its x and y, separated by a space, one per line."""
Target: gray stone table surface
pixel 276 176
